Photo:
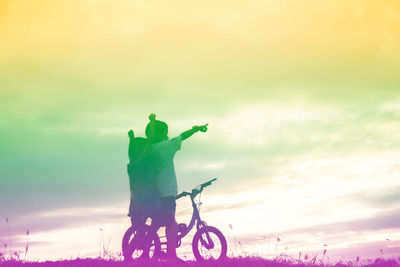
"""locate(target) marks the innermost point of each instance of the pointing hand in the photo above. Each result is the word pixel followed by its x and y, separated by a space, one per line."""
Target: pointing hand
pixel 203 128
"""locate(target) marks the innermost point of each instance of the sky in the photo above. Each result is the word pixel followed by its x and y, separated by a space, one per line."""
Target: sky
pixel 302 100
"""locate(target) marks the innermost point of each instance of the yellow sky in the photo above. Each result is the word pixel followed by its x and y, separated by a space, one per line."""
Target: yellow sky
pixel 302 99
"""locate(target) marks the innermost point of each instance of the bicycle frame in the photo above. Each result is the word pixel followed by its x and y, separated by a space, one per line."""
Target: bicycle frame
pixel 202 237
pixel 196 213
pixel 195 218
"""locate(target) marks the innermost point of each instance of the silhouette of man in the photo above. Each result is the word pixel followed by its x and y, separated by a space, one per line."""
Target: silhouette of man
pixel 163 153
pixel 144 194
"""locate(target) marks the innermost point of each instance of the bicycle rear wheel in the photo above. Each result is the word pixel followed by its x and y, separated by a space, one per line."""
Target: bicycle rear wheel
pixel 140 245
pixel 209 243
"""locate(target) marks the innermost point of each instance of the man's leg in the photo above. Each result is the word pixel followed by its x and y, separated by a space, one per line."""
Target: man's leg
pixel 168 205
pixel 172 235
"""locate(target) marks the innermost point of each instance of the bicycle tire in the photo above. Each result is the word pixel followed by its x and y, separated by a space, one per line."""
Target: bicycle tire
pixel 198 242
pixel 128 249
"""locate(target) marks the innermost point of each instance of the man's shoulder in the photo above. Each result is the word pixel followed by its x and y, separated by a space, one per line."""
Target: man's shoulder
pixel 175 143
pixel 167 142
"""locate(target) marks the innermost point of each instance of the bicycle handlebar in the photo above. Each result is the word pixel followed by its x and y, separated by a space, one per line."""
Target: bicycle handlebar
pixel 183 194
pixel 207 183
pixel 195 191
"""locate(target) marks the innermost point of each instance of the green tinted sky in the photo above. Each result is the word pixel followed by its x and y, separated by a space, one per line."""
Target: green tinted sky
pixel 294 91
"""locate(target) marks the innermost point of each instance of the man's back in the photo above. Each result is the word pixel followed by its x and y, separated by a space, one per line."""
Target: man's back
pixel 162 157
pixel 144 192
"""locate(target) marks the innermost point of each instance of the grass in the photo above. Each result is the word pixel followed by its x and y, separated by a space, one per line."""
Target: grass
pixel 15 258
pixel 236 262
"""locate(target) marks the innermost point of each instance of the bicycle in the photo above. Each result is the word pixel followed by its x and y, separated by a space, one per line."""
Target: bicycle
pixel 208 242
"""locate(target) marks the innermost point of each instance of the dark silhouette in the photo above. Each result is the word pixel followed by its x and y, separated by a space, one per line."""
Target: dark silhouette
pixel 144 196
pixel 154 188
pixel 144 200
pixel 163 152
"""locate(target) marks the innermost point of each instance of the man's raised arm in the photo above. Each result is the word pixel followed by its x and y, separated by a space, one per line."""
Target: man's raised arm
pixel 185 135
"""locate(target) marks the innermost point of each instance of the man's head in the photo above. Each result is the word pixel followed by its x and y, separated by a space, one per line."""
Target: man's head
pixel 157 131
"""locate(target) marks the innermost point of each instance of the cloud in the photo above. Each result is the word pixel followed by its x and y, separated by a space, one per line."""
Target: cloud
pixel 58 219
pixel 383 220
pixel 384 198
pixel 221 207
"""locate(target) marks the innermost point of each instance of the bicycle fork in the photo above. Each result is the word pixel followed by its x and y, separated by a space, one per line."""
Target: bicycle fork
pixel 205 238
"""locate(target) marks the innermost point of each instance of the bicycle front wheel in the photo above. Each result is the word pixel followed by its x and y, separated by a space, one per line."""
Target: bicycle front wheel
pixel 209 243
